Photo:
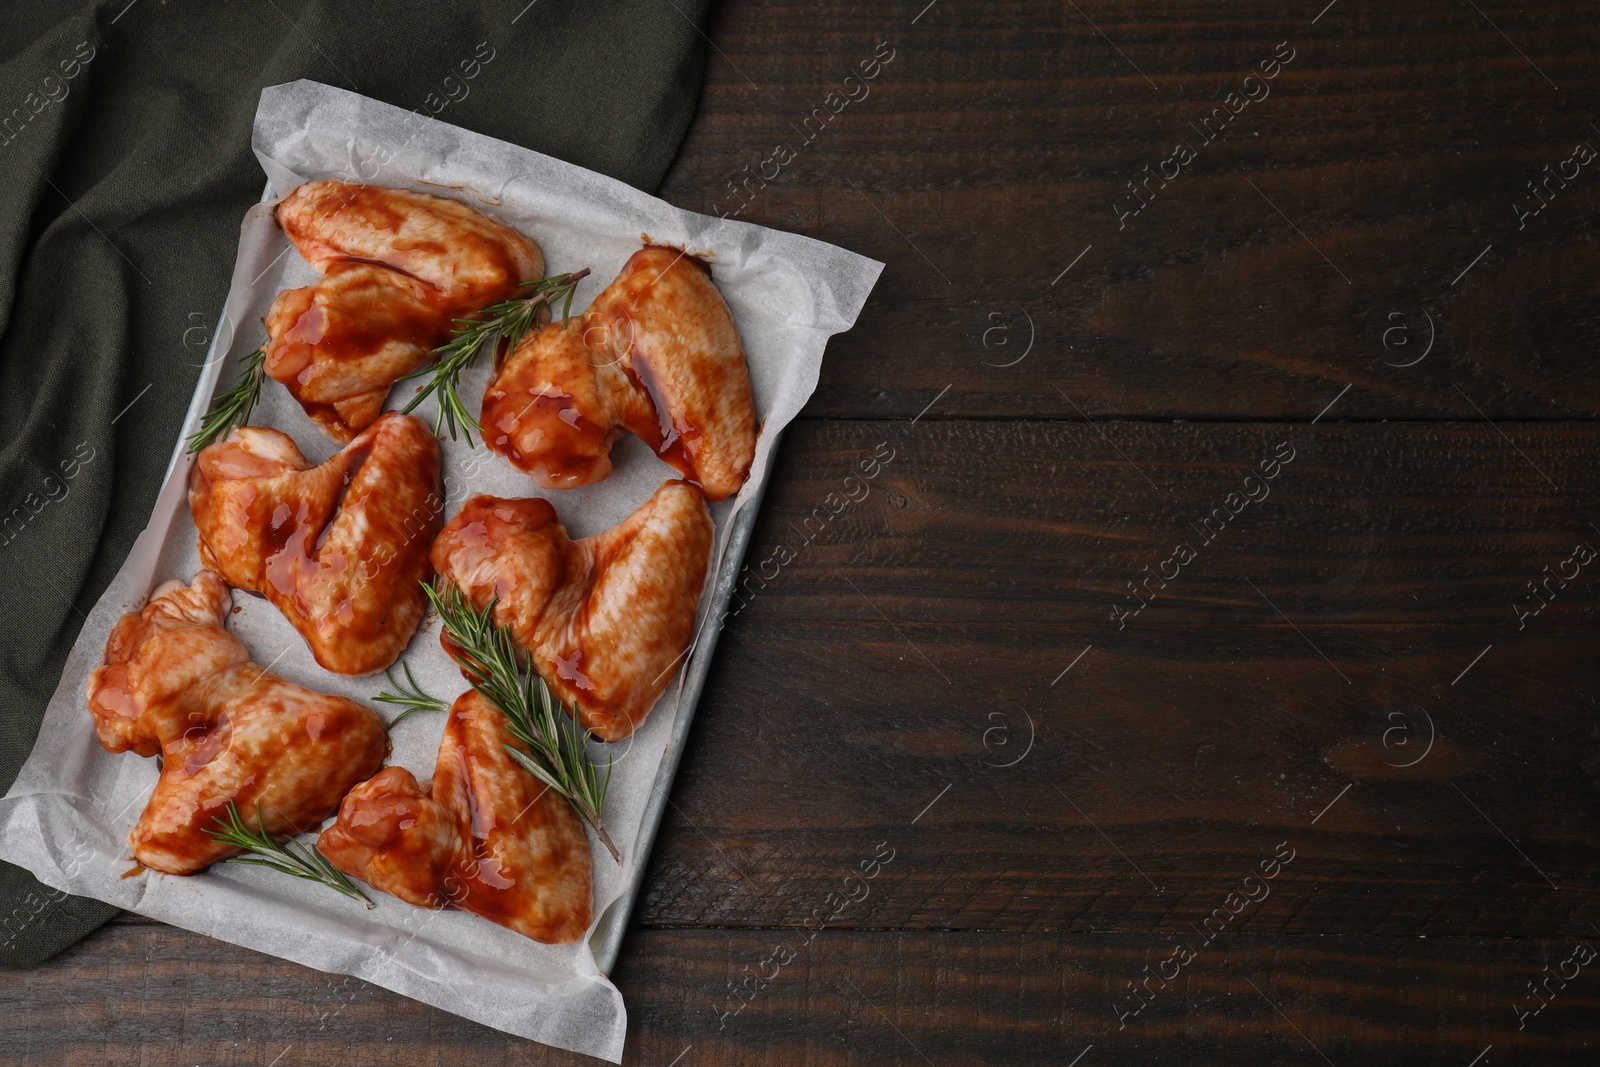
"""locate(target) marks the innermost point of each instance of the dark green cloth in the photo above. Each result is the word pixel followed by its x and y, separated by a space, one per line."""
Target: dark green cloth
pixel 125 166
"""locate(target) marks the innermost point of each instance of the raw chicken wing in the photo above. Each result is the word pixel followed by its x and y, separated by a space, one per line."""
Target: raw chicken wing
pixel 340 344
pixel 606 618
pixel 486 836
pixel 340 549
pixel 176 684
pixel 657 354
pixel 399 266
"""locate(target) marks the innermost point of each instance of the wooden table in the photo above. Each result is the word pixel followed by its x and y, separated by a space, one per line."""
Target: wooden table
pixel 1210 675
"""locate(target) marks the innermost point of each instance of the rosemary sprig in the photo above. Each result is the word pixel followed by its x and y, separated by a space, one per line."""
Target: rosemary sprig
pixel 557 740
pixel 233 407
pixel 302 861
pixel 501 326
pixel 412 699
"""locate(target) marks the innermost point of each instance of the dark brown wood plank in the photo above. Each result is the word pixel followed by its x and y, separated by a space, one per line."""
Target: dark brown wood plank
pixel 907 648
pixel 163 998
pixel 1393 149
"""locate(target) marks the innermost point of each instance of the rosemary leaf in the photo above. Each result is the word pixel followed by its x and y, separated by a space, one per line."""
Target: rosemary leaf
pixel 500 326
pixel 233 407
pixel 558 743
pixel 302 861
pixel 412 699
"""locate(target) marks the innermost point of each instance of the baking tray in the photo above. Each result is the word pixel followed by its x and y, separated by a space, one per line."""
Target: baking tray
pixel 63 819
pixel 606 941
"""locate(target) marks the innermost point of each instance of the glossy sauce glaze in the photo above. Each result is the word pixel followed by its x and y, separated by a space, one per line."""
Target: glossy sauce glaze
pixel 551 413
pixel 656 354
pixel 485 836
pixel 398 268
pixel 446 244
pixel 175 683
pixel 339 345
pixel 606 618
pixel 340 548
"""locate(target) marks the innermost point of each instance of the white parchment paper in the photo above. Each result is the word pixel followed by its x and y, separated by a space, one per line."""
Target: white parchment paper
pixel 67 816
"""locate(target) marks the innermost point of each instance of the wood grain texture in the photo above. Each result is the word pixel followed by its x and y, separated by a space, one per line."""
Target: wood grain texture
pixel 1390 152
pixel 929 624
pixel 156 997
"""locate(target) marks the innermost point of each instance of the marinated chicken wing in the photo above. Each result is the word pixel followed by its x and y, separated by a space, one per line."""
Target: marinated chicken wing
pixel 445 243
pixel 606 618
pixel 486 836
pixel 340 344
pixel 657 354
pixel 176 684
pixel 341 548
pixel 399 268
